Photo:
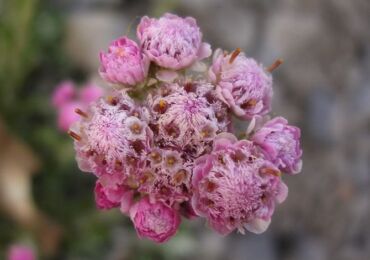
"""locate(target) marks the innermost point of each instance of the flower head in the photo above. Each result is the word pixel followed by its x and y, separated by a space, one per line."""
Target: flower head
pixel 154 221
pixel 106 198
pixel 184 119
pixel 112 136
pixel 280 143
pixel 171 41
pixel 242 83
pixel 235 188
pixel 124 63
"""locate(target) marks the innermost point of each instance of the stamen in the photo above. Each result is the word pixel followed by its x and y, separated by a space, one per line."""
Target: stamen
pixel 210 186
pixel 205 133
pixel 271 171
pixel 81 113
pixel 171 160
pixel 112 100
pixel 120 52
pixel 136 128
pixel 274 65
pixel 132 183
pixel 147 177
pixel 161 107
pixel 234 55
pixel 180 176
pixel 162 104
pixel 249 104
pixel 74 135
pixel 156 157
pixel 118 165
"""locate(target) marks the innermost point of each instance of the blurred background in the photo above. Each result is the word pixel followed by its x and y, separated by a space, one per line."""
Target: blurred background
pixel 47 204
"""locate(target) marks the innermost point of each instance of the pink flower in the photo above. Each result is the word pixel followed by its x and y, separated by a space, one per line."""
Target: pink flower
pixel 21 252
pixel 280 143
pixel 112 135
pixel 124 63
pixel 242 83
pixel 102 198
pixel 66 101
pixel 171 41
pixel 90 93
pixel 111 195
pixel 63 94
pixel 154 221
pixel 183 117
pixel 67 115
pixel 235 188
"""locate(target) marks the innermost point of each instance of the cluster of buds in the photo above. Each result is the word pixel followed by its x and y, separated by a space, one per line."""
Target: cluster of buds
pixel 161 142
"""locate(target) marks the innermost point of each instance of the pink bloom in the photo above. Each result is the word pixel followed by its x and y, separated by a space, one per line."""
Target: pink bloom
pixel 112 136
pixel 20 252
pixel 124 63
pixel 67 115
pixel 171 41
pixel 63 94
pixel 183 117
pixel 102 198
pixel 110 194
pixel 280 143
pixel 242 83
pixel 235 188
pixel 154 221
pixel 90 93
pixel 64 99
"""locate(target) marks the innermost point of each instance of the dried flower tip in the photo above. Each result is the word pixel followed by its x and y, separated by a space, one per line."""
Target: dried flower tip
pixel 147 177
pixel 156 157
pixel 249 104
pixel 74 135
pixel 136 128
pixel 161 107
pixel 270 171
pixel 132 183
pixel 162 104
pixel 171 160
pixel 80 112
pixel 274 65
pixel 210 186
pixel 180 176
pixel 112 100
pixel 234 55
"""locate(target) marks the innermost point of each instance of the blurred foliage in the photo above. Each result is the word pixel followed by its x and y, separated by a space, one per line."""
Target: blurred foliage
pixel 17 46
pixel 32 62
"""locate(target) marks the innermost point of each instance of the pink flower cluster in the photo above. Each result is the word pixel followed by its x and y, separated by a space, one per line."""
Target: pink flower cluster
pixel 162 143
pixel 20 252
pixel 66 99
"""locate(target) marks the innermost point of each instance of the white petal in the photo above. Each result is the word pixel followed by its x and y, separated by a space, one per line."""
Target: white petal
pixel 166 75
pixel 258 225
pixel 205 51
pixel 251 126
